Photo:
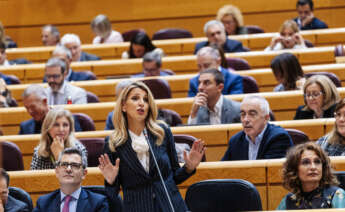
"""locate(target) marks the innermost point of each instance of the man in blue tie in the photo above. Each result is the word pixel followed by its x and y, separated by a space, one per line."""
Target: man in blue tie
pixel 71 197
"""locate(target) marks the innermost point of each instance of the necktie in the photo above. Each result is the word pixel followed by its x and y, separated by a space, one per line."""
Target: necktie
pixel 55 98
pixel 66 205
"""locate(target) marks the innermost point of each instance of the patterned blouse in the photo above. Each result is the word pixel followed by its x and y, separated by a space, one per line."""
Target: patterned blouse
pixel 331 149
pixel 39 162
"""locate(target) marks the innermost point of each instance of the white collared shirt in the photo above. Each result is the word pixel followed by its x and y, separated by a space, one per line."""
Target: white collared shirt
pixel 140 146
pixel 73 202
pixel 215 114
pixel 253 147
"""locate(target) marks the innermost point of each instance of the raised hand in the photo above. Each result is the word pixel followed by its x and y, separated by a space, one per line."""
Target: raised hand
pixel 57 146
pixel 308 19
pixel 276 40
pixel 193 158
pixel 109 171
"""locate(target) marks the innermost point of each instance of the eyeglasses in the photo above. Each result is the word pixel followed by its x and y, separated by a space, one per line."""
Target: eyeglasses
pixel 339 115
pixel 313 95
pixel 54 76
pixel 307 162
pixel 74 166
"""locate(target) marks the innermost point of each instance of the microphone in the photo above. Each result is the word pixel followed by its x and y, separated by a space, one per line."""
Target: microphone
pixel 159 171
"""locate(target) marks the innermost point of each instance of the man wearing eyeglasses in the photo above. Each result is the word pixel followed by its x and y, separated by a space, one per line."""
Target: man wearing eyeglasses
pixel 71 197
pixel 59 90
pixel 258 139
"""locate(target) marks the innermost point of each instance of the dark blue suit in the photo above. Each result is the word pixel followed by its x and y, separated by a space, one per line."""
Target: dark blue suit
pixel 87 202
pixel 143 191
pixel 87 57
pixel 6 79
pixel 314 24
pixel 14 205
pixel 233 83
pixel 274 144
pixel 229 46
pixel 32 127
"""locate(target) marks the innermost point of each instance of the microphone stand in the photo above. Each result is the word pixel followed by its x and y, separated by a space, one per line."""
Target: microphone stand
pixel 159 171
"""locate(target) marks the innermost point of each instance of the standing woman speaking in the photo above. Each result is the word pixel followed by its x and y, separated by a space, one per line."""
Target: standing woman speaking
pixel 137 146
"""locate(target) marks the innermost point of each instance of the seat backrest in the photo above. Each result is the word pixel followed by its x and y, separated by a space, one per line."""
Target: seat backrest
pixel 186 139
pixel 113 205
pixel 341 178
pixel 237 64
pixel 21 195
pixel 339 50
pixel 171 33
pixel 297 136
pixel 172 118
pixel 250 85
pixel 308 43
pixel 14 79
pixel 252 29
pixel 94 147
pixel 128 35
pixel 85 121
pixel 12 158
pixel 223 195
pixel 159 88
pixel 90 75
pixel 330 75
pixel 91 97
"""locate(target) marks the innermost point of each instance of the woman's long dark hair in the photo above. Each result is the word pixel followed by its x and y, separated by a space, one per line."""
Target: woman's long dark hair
pixel 141 39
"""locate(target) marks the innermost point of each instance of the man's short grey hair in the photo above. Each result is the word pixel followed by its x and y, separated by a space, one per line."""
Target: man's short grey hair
pixel 70 38
pixel 57 62
pixel 211 23
pixel 264 105
pixel 208 51
pixel 36 90
pixel 63 50
pixel 73 150
pixel 153 56
pixel 121 85
pixel 53 30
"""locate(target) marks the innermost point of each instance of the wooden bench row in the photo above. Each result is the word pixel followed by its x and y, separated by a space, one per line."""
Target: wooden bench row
pixel 148 15
pixel 216 137
pixel 179 84
pixel 283 104
pixel 264 174
pixel 185 46
pixel 179 64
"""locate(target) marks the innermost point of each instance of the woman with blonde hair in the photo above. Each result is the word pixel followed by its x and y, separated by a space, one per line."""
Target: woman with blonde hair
pixel 141 157
pixel 320 98
pixel 307 174
pixel 289 38
pixel 101 26
pixel 57 133
pixel 232 19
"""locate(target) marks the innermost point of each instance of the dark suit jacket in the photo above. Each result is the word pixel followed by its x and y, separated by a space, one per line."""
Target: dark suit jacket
pixel 229 46
pixel 233 83
pixel 87 57
pixel 143 191
pixel 19 61
pixel 14 205
pixel 274 144
pixel 309 114
pixel 230 113
pixel 32 127
pixel 87 202
pixel 314 24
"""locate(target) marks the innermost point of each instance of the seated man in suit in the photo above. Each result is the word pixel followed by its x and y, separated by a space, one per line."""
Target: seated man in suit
pixel 35 101
pixel 70 172
pixel 65 54
pixel 259 139
pixel 306 19
pixel 207 58
pixel 60 91
pixel 50 35
pixel 209 106
pixel 152 63
pixel 72 42
pixel 7 202
pixel 215 33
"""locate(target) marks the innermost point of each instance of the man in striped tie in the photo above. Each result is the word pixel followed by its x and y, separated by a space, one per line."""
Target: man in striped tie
pixel 71 197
